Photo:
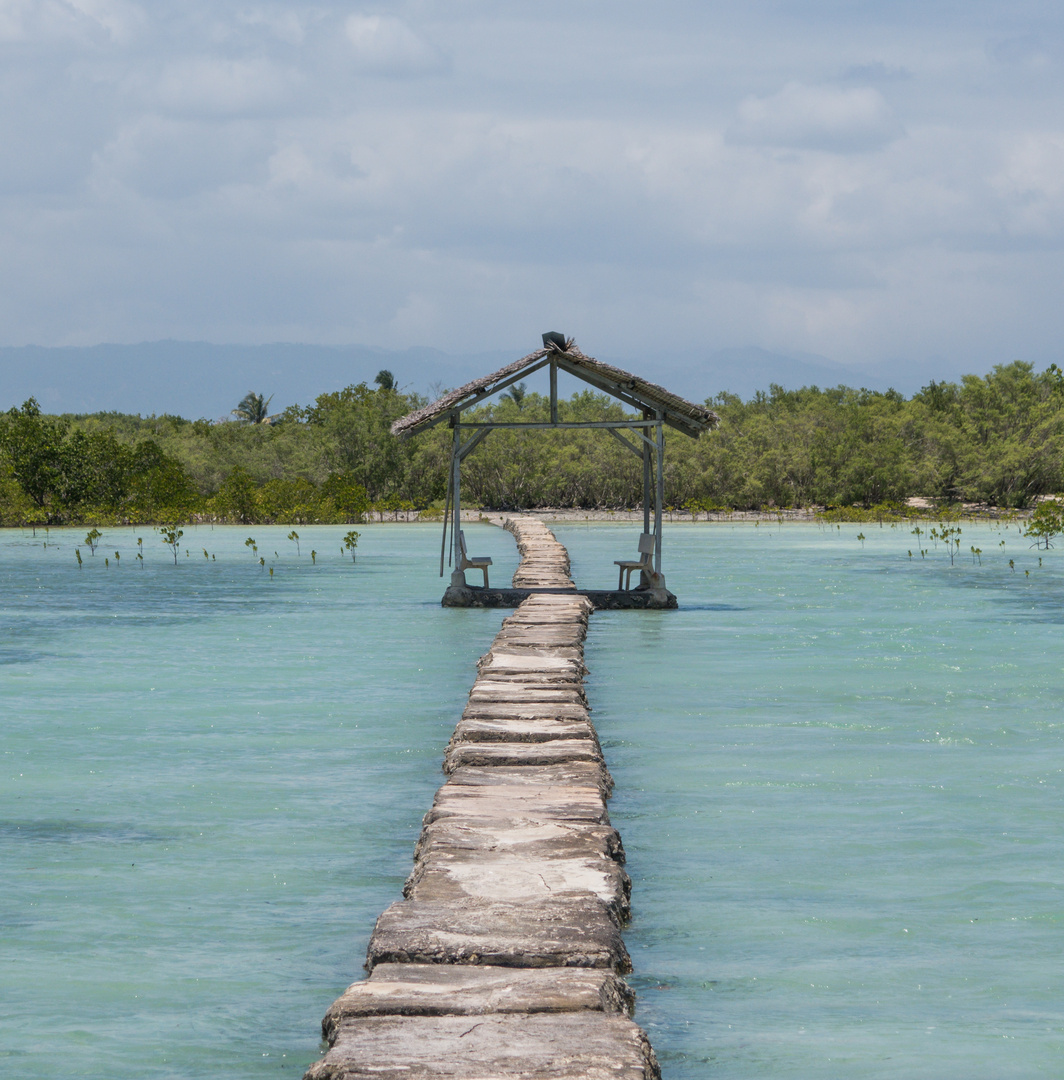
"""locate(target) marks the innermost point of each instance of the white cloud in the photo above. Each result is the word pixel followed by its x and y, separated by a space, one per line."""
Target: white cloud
pixel 384 45
pixel 817 118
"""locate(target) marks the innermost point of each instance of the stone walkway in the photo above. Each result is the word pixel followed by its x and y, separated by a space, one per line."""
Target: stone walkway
pixel 505 960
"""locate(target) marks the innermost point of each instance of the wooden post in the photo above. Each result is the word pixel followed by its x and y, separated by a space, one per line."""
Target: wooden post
pixel 659 494
pixel 554 391
pixel 646 479
pixel 456 487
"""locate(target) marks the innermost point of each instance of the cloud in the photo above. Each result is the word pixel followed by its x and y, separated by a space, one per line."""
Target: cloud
pixel 240 169
pixel 817 118
pixel 22 20
pixel 876 72
pixel 119 18
pixel 219 86
pixel 383 45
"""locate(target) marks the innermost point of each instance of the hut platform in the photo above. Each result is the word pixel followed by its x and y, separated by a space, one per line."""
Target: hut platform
pixel 544 570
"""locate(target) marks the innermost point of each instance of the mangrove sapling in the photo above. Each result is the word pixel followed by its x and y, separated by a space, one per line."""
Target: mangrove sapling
pixel 313 557
pixel 1012 565
pixel 293 535
pixel 977 553
pixel 140 550
pixel 249 542
pixel 205 555
pixel 77 554
pixel 861 537
pixel 117 558
pixel 1046 522
pixel 92 539
pixel 351 542
pixel 171 537
pixel 271 571
pixel 262 561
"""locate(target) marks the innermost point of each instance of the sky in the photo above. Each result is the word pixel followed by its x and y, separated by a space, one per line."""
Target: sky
pixel 877 186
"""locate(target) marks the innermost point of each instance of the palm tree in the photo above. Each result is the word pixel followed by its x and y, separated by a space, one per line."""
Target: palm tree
pixel 385 379
pixel 252 409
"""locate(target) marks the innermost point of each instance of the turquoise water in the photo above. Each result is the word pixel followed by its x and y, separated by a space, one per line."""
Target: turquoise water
pixel 840 788
pixel 838 772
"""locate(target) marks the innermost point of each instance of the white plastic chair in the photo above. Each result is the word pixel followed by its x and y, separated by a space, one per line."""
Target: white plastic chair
pixel 646 550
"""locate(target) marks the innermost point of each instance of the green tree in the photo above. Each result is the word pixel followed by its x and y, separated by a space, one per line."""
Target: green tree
pixel 253 408
pixel 33 444
pixel 1046 522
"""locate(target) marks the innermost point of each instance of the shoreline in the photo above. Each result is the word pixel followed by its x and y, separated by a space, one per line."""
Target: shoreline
pixel 810 514
pixel 917 510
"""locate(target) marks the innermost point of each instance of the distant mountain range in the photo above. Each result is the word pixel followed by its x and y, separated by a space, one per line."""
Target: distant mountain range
pixel 196 379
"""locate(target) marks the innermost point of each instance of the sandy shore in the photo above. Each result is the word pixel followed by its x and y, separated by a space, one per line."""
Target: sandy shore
pixel 921 508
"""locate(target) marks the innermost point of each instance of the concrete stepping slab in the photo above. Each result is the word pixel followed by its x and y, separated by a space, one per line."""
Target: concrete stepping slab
pixel 519 658
pixel 555 933
pixel 528 877
pixel 553 752
pixel 552 839
pixel 505 728
pixel 467 990
pixel 518 805
pixel 489 710
pixel 570 776
pixel 550 679
pixel 503 1046
pixel 528 693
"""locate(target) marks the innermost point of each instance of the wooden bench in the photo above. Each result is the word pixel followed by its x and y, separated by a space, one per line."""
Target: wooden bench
pixel 646 551
pixel 466 563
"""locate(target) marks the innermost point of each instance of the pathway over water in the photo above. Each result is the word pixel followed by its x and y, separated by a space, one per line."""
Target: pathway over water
pixel 512 912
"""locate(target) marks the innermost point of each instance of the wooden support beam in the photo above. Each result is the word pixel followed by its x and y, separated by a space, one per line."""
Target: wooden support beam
pixel 471 443
pixel 638 451
pixel 623 425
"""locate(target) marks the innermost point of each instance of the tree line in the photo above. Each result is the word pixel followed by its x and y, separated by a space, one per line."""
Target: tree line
pixel 996 439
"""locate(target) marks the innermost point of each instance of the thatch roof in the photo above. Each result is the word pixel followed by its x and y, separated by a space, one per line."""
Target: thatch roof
pixel 639 393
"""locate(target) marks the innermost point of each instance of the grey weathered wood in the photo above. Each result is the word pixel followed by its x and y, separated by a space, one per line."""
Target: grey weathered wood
pixel 580 1045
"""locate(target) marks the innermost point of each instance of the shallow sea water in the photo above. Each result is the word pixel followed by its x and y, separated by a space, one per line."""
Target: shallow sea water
pixel 839 780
